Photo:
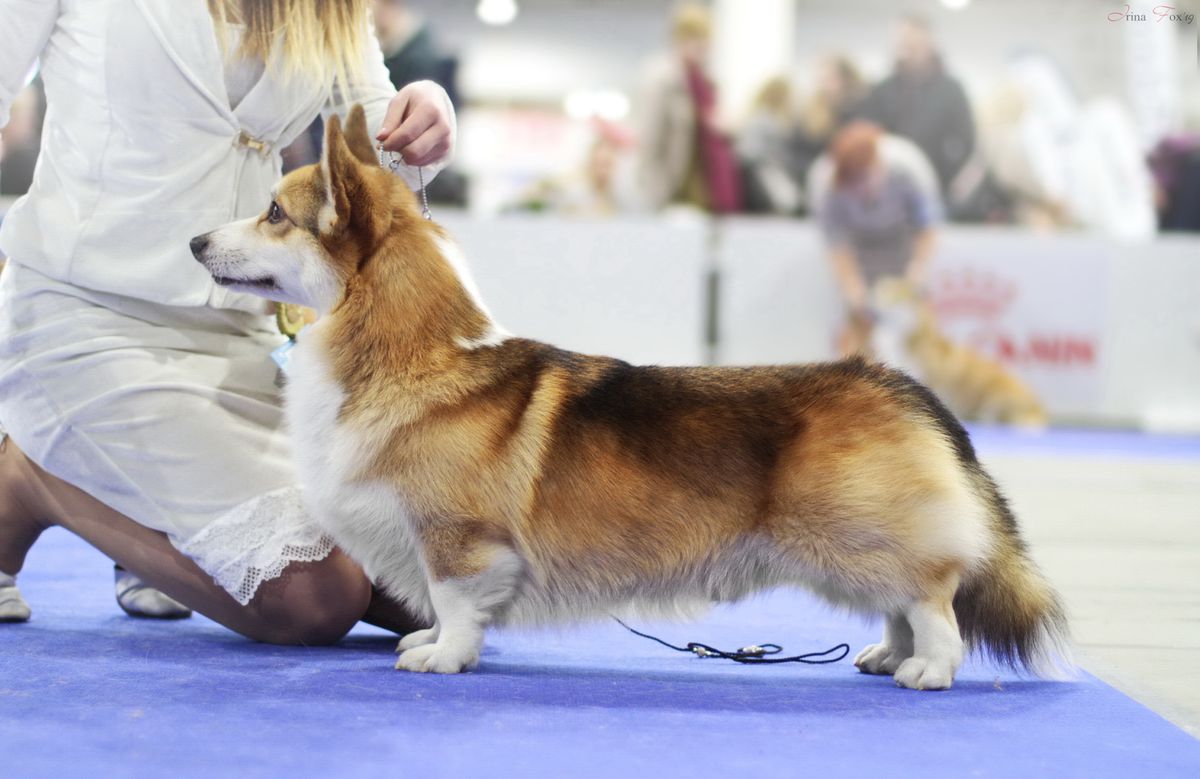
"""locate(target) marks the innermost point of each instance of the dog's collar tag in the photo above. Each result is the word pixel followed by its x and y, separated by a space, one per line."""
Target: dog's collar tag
pixel 392 161
pixel 282 355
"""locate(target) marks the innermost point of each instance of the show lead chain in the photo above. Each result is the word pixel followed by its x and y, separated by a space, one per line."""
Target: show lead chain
pixel 392 161
pixel 750 655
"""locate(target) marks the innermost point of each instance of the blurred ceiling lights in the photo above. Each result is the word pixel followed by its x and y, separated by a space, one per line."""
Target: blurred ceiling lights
pixel 608 104
pixel 496 12
pixel 956 5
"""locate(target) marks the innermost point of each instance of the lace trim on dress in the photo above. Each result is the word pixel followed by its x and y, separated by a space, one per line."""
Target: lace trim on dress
pixel 255 541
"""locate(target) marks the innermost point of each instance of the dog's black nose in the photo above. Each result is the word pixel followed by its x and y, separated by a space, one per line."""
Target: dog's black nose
pixel 198 244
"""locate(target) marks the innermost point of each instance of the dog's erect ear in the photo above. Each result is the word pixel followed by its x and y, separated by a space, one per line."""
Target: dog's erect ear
pixel 342 175
pixel 358 138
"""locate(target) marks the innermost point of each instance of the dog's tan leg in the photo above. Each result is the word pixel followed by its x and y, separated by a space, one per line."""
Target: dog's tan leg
pixel 895 647
pixel 937 645
pixel 464 606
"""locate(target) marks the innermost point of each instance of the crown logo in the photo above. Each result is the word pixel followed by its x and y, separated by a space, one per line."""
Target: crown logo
pixel 971 293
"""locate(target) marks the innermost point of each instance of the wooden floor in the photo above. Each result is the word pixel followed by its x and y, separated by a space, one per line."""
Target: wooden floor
pixel 1121 539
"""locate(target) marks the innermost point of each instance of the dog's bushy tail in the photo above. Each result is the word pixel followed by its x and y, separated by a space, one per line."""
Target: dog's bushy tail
pixel 1006 608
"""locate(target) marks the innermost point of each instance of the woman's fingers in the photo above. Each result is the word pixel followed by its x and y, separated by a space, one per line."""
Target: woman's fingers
pixel 422 138
pixel 417 124
pixel 394 114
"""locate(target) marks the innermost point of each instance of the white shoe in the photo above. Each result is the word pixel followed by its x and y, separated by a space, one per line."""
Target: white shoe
pixel 138 599
pixel 13 607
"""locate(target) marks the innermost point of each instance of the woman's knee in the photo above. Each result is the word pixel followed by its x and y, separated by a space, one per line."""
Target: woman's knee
pixel 312 604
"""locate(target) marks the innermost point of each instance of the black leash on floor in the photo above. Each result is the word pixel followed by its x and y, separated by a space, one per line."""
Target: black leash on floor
pixel 755 654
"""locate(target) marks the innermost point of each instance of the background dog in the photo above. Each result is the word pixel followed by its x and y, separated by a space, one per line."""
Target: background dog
pixel 487 479
pixel 974 386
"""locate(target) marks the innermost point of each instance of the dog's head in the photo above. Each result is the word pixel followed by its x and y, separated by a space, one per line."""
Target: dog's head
pixel 898 305
pixel 323 222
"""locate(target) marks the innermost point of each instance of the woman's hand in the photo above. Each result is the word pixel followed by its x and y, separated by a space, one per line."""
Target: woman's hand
pixel 918 267
pixel 419 124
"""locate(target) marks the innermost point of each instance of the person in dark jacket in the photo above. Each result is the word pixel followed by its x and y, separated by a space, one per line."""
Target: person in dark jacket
pixel 924 103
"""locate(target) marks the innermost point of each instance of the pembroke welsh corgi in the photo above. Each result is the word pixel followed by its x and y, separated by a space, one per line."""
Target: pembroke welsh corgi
pixel 974 386
pixel 485 479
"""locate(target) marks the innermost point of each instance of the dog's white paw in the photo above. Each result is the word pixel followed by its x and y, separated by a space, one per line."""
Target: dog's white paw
pixel 436 659
pixel 921 673
pixel 417 638
pixel 879 659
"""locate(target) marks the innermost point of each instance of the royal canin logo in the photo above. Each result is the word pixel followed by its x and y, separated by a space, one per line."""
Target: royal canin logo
pixel 1042 349
pixel 972 293
pixel 984 297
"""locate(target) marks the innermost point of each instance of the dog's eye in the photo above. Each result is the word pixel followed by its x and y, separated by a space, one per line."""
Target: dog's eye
pixel 274 213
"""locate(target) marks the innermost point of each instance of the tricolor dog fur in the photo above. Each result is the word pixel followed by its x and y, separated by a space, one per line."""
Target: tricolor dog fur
pixel 486 479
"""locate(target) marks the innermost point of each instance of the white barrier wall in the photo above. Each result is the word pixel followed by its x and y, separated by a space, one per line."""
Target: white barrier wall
pixel 1152 333
pixel 778 301
pixel 628 288
pixel 1104 332
pixel 1036 302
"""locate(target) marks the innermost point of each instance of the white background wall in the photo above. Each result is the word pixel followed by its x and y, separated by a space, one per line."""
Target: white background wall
pixel 636 289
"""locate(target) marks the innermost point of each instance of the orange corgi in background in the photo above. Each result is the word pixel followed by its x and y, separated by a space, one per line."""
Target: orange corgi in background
pixel 974 386
pixel 486 479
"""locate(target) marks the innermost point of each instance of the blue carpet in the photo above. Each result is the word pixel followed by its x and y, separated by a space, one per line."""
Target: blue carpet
pixel 85 690
pixel 1084 442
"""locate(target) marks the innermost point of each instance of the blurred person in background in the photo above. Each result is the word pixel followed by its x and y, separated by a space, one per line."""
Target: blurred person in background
pixel 601 185
pixel 19 141
pixel 684 156
pixel 1067 161
pixel 139 408
pixel 1175 164
pixel 921 101
pixel 772 151
pixel 411 53
pixel 878 221
pixel 836 100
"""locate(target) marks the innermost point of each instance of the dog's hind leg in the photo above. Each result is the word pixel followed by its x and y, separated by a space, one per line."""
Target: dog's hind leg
pixel 895 647
pixel 937 645
pixel 464 606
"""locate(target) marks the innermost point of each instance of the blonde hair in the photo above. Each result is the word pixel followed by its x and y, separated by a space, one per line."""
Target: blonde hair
pixel 775 98
pixel 322 39
pixel 691 20
pixel 821 115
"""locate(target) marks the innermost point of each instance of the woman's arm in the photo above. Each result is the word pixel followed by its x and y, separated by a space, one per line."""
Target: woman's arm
pixel 836 224
pixel 418 121
pixel 923 246
pixel 849 277
pixel 24 31
pixel 924 215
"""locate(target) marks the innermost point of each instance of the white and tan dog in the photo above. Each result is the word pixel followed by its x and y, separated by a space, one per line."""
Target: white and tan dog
pixel 485 479
pixel 974 386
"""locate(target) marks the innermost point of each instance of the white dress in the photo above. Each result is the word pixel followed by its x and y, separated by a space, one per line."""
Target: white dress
pixel 170 414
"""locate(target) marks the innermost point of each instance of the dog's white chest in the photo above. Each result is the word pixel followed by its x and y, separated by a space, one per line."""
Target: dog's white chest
pixel 367 519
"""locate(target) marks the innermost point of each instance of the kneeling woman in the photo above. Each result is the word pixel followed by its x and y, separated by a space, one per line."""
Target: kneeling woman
pixel 138 403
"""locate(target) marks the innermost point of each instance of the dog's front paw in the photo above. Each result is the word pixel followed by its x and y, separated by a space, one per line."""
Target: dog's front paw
pixel 879 659
pixel 437 658
pixel 920 673
pixel 417 638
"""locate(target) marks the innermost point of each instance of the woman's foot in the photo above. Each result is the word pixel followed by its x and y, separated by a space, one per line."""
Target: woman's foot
pixel 138 599
pixel 13 607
